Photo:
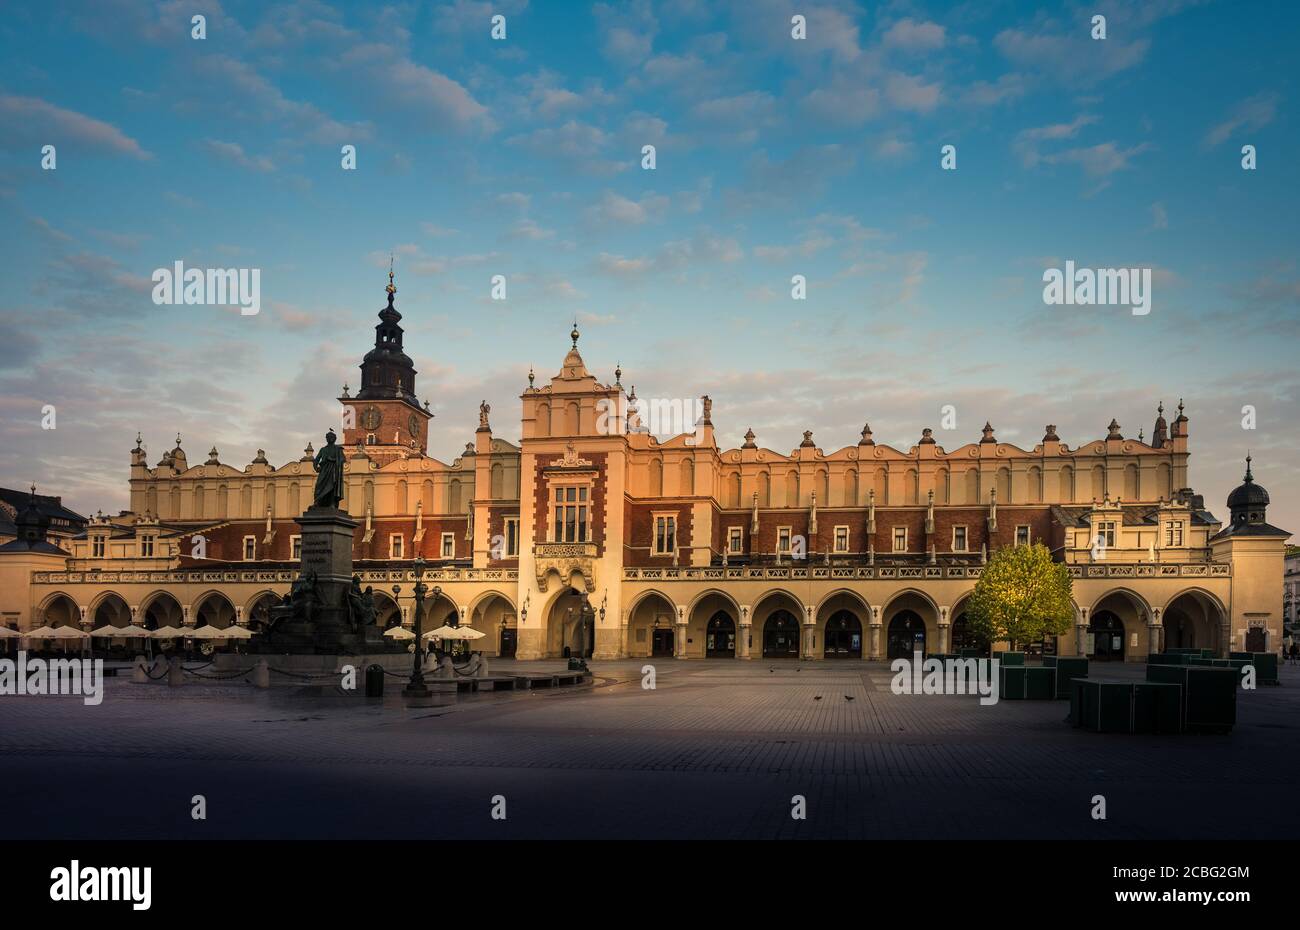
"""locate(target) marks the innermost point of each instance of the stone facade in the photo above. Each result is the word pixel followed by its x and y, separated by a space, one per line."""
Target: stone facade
pixel 592 530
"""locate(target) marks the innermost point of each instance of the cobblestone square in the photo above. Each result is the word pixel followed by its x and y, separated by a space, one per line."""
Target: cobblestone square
pixel 717 750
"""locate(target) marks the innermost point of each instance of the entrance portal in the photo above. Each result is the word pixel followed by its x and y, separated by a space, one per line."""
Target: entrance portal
pixel 781 636
pixel 843 636
pixel 1107 636
pixel 720 637
pixel 661 643
pixel 906 635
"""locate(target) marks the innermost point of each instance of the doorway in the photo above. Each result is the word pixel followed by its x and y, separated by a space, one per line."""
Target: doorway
pixel 906 635
pixel 720 637
pixel 843 636
pixel 781 636
pixel 509 642
pixel 1107 636
pixel 661 642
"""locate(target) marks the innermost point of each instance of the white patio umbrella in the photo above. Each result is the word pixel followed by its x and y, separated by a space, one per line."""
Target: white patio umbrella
pixel 238 632
pixel 399 632
pixel 167 632
pixel 67 632
pixel 209 632
pixel 131 632
pixel 41 632
pixel 6 633
pixel 454 632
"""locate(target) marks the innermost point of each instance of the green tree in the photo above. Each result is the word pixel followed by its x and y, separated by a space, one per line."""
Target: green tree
pixel 1022 595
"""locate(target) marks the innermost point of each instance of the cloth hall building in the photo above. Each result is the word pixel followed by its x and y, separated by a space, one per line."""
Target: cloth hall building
pixel 589 534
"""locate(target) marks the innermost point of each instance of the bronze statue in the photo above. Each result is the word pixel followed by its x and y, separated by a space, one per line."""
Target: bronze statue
pixel 361 604
pixel 329 474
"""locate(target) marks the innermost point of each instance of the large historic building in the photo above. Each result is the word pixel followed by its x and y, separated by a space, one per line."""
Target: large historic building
pixel 590 534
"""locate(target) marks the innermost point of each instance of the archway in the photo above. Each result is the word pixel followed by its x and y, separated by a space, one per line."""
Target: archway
pixel 843 636
pixel 720 636
pixel 1191 620
pixel 111 610
pixel 161 610
pixel 493 615
pixel 651 626
pixel 781 635
pixel 570 626
pixel 720 641
pixel 906 635
pixel 1108 639
pixel 965 637
pixel 60 610
pixel 215 610
pixel 1117 625
pixel 777 617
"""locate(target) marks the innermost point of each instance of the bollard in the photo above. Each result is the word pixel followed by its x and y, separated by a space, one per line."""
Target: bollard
pixel 175 674
pixel 261 674
pixel 140 673
pixel 374 680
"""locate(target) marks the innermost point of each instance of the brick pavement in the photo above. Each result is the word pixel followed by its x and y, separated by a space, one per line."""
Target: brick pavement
pixel 716 750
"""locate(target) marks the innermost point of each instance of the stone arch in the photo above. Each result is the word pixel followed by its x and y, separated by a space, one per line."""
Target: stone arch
pixel 1192 619
pixel 733 489
pixel 568 629
pixel 905 613
pixel 911 486
pixel 942 491
pixel 1132 491
pixel 1035 484
pixel 58 609
pixel 774 636
pixel 542 421
pixel 109 607
pixel 686 478
pixel 655 475
pixel 791 488
pixel 1119 614
pixel 1065 482
pixel 214 609
pixel 494 615
pixel 704 624
pixel 652 625
pixel 259 605
pixel 843 618
pixel 1004 485
pixel 765 488
pixel 851 488
pixel 971 482
pixel 160 609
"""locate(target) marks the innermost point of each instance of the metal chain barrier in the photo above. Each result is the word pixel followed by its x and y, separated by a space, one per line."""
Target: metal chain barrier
pixel 305 677
pixel 220 676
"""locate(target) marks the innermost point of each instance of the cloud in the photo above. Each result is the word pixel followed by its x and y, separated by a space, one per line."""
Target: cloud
pixel 1249 115
pixel 675 256
pixel 909 35
pixel 528 229
pixel 1159 218
pixel 427 99
pixel 983 94
pixel 614 209
pixel 1070 58
pixel 29 121
pixel 908 92
pixel 1026 141
pixel 234 153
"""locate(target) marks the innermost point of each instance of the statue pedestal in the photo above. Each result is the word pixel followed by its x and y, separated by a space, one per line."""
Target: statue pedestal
pixel 318 619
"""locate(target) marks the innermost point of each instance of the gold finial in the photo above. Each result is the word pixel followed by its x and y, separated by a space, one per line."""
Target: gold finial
pixel 574 335
pixel 392 289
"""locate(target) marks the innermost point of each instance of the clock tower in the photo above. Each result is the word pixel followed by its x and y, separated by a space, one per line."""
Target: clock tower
pixel 384 416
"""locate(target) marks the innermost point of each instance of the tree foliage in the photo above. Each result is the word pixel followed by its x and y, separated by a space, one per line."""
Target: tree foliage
pixel 1021 596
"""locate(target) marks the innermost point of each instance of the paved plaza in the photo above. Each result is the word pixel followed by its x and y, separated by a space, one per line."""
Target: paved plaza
pixel 716 750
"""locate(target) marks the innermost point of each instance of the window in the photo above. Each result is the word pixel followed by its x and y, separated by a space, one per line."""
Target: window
pixel 295 547
pixel 449 545
pixel 900 539
pixel 1174 533
pixel 571 509
pixel 665 534
pixel 735 540
pixel 1106 532
pixel 250 548
pixel 959 539
pixel 97 547
pixel 1022 535
pixel 370 439
pixel 512 537
pixel 841 539
pixel 783 539
pixel 395 546
pixel 146 547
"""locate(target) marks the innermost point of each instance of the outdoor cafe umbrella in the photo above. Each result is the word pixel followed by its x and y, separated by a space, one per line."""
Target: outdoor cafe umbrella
pixel 131 631
pixel 399 632
pixel 238 632
pixel 41 632
pixel 66 632
pixel 167 632
pixel 209 632
pixel 6 633
pixel 454 632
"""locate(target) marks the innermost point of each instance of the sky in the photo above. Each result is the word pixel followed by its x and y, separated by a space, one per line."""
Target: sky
pixel 774 157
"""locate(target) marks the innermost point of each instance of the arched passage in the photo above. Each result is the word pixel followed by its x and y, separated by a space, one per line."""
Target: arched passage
pixel 842 618
pixel 777 622
pixel 911 621
pixel 215 610
pixel 1192 620
pixel 259 607
pixel 59 610
pixel 570 625
pixel 493 615
pixel 161 609
pixel 714 618
pixel 651 626
pixel 110 609
pixel 1117 626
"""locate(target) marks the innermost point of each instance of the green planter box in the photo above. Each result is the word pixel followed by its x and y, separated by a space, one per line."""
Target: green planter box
pixel 1102 705
pixel 1067 668
pixel 1011 682
pixel 1157 707
pixel 1266 668
pixel 973 653
pixel 1169 658
pixel 1209 697
pixel 1010 658
pixel 1040 683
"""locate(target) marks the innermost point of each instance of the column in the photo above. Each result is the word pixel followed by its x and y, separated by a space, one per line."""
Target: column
pixel 622 637
pixel 1225 637
pixel 1155 630
pixel 809 650
pixel 875 634
pixel 943 630
pixel 239 616
pixel 680 651
pixel 1081 632
pixel 742 638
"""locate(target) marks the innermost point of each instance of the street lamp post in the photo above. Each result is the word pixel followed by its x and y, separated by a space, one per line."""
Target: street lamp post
pixel 416 686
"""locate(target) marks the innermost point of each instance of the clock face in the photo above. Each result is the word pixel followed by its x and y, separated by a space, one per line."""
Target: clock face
pixel 371 418
pixel 413 424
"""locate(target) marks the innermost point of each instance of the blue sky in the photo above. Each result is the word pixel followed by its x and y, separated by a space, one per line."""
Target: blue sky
pixel 775 157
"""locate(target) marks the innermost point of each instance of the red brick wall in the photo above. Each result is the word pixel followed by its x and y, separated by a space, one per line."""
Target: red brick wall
pixel 638 521
pixel 542 498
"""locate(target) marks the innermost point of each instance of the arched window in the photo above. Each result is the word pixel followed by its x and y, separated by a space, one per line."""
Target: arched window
pixel 687 481
pixel 1066 480
pixel 972 482
pixel 542 423
pixel 792 489
pixel 498 480
pixel 764 489
pixel 1004 485
pixel 733 489
pixel 1035 484
pixel 1131 491
pixel 656 478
